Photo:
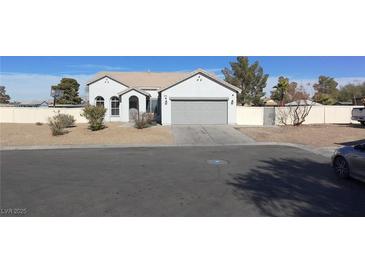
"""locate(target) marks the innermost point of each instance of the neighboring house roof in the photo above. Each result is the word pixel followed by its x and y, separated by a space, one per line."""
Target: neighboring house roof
pixel 342 103
pixel 207 74
pixel 136 89
pixel 141 79
pixel 303 103
pixel 32 103
pixel 270 102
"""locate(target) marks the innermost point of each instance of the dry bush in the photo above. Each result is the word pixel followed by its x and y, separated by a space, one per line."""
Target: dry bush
pixel 67 120
pixel 150 116
pixel 293 115
pixel 56 126
pixel 143 120
pixel 59 122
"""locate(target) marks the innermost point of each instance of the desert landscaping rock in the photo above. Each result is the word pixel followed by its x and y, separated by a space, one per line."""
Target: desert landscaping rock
pixel 114 133
pixel 319 136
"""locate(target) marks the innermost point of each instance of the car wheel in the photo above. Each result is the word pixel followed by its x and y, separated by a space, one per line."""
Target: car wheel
pixel 362 123
pixel 341 167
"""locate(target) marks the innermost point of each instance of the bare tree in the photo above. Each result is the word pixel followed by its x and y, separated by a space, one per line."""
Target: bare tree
pixel 295 114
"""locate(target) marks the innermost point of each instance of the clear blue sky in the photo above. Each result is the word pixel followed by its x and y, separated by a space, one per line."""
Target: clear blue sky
pixel 298 67
pixel 30 77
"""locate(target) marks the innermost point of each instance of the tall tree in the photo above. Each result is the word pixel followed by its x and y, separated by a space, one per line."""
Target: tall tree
pixel 351 91
pixel 70 88
pixel 4 98
pixel 286 91
pixel 281 90
pixel 296 93
pixel 249 78
pixel 326 90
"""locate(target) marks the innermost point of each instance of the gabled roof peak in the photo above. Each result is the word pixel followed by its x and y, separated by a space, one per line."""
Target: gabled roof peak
pixel 160 80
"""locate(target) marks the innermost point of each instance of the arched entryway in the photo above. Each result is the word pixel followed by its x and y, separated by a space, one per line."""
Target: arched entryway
pixel 133 107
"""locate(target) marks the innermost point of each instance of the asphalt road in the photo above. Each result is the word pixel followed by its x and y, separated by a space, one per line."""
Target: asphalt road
pixel 175 181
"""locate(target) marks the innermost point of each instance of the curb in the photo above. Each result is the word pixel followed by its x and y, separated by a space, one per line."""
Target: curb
pixel 325 152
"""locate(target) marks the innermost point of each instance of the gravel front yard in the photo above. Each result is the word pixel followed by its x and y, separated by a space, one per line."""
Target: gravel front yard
pixel 115 133
pixel 313 135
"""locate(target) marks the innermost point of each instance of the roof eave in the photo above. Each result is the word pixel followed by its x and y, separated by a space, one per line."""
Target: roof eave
pixel 105 76
pixel 209 75
pixel 136 89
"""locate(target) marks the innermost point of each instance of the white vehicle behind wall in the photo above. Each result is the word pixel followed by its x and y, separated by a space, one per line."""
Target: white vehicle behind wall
pixel 358 114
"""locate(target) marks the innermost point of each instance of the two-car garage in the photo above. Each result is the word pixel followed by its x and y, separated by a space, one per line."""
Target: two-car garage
pixel 198 111
pixel 199 99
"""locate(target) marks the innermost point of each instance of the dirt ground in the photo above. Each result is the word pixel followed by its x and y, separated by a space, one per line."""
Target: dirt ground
pixel 313 135
pixel 115 133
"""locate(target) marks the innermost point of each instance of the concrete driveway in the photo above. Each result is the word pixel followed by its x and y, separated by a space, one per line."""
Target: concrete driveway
pixel 200 135
pixel 176 181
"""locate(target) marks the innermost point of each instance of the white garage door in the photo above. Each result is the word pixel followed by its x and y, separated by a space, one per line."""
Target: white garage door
pixel 190 112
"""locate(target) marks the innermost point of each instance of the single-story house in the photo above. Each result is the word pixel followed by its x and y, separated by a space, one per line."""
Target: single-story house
pixel 270 103
pixel 343 103
pixel 303 103
pixel 197 97
pixel 32 103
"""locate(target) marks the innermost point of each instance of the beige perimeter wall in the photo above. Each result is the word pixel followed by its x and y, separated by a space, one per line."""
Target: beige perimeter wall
pixel 34 115
pixel 250 116
pixel 325 115
pixel 318 115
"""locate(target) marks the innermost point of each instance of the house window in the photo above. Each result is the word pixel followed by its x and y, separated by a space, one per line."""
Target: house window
pixel 99 101
pixel 114 101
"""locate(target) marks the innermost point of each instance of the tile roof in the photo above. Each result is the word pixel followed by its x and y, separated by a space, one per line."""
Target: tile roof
pixel 142 79
pixel 160 80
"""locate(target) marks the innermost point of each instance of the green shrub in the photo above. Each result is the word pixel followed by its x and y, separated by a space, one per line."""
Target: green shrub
pixel 95 116
pixel 56 126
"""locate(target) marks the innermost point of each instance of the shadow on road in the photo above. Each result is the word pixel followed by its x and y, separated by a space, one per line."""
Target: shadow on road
pixel 291 187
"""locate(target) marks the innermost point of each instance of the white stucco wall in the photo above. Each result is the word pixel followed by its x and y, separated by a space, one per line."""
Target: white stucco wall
pixel 34 115
pixel 125 104
pixel 106 88
pixel 196 88
pixel 338 114
pixel 250 116
pixel 245 115
pixel 324 115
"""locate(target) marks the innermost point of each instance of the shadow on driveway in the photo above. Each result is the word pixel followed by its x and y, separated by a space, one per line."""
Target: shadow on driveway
pixel 291 187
